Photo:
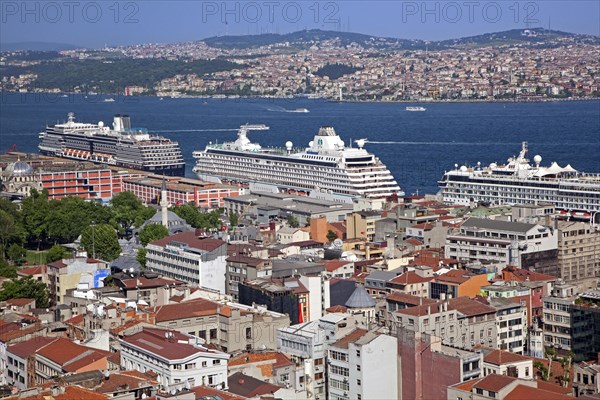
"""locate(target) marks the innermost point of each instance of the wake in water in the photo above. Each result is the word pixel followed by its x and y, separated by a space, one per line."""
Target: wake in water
pixel 196 130
pixel 440 143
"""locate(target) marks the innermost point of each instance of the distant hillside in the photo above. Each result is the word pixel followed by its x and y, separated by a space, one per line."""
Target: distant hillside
pixel 534 36
pixel 537 37
pixel 307 38
pixel 37 46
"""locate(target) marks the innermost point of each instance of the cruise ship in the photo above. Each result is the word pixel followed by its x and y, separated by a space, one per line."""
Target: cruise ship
pixel 326 165
pixel 122 146
pixel 518 182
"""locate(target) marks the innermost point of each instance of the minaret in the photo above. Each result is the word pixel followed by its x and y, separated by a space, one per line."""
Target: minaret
pixel 164 204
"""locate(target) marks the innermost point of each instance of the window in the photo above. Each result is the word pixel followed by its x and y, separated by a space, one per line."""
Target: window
pixel 336 355
pixel 358 382
pixel 248 333
pixel 213 334
pixel 492 394
pixel 204 363
pixel 319 361
pixel 339 370
pixel 357 353
pixel 358 367
pixel 216 362
pixel 526 371
pixel 479 391
pixel 337 384
pixel 190 366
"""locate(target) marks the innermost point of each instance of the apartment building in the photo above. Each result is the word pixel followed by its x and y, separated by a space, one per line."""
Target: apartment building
pixel 423 356
pixel 462 322
pixel 511 323
pixel 502 362
pixel 242 268
pixel 359 363
pixel 19 368
pixel 189 258
pixel 306 344
pixel 233 327
pixel 529 246
pixel 178 359
pixel 67 274
pixel 578 252
pixel 557 316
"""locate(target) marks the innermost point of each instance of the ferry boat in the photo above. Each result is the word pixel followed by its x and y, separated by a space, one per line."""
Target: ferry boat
pixel 121 146
pixel 412 108
pixel 326 165
pixel 573 193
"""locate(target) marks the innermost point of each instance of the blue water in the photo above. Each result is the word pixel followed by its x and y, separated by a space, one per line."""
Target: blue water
pixel 417 147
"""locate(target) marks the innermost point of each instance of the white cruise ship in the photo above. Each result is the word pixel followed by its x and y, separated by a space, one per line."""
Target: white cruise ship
pixel 518 182
pixel 122 146
pixel 327 165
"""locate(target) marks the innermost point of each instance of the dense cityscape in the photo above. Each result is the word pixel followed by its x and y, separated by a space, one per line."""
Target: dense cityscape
pixel 296 273
pixel 520 65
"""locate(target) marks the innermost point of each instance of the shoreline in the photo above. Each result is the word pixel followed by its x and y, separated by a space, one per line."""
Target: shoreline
pixel 102 96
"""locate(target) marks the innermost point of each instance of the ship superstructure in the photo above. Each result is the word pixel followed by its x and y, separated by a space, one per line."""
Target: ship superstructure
pixel 121 146
pixel 518 182
pixel 326 165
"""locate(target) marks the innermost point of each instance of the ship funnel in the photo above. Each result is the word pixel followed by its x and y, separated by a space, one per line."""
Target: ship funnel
pixel 126 122
pixel 118 123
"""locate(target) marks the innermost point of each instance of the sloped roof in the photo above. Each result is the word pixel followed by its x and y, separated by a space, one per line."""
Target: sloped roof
pixel 360 299
pixel 247 386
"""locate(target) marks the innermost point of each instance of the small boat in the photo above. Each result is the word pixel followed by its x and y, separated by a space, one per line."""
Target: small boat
pixel 64 95
pixel 412 108
pixel 109 100
pixel 161 99
pixel 299 110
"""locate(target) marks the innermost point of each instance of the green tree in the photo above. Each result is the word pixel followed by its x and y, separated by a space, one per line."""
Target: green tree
pixel 197 219
pixel 141 257
pixel 34 211
pixel 293 221
pixel 331 235
pixel 153 232
pixel 102 241
pixel 10 231
pixel 67 218
pixel 56 252
pixel 234 219
pixel 7 271
pixel 129 211
pixel 25 288
pixel 17 254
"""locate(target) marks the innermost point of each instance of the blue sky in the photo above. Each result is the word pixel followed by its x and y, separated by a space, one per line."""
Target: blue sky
pixel 96 23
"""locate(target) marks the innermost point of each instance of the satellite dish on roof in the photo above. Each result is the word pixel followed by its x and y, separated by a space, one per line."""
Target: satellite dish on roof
pixel 338 243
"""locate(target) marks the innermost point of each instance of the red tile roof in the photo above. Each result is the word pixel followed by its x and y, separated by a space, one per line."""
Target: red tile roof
pixel 125 381
pixel 191 240
pixel 19 302
pixel 500 357
pixel 29 347
pixel 190 309
pixel 276 359
pixel 333 265
pixel 33 270
pixel 410 278
pixel 406 298
pixel 494 382
pixel 523 392
pixel 469 307
pixel 526 275
pixel 68 354
pixel 154 341
pixel 350 338
pixel 205 392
